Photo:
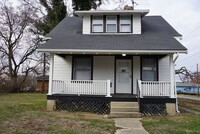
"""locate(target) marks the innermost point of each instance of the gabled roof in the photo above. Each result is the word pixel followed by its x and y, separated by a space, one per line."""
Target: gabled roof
pixel 157 35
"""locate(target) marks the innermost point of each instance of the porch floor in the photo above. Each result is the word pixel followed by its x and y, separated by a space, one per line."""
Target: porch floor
pixel 115 97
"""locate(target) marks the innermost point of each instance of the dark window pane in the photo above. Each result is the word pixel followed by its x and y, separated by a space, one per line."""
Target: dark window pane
pixel 149 69
pixel 82 69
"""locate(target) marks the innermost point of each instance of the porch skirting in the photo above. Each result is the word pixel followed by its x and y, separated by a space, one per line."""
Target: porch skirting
pixel 98 105
pixel 156 106
pixel 101 104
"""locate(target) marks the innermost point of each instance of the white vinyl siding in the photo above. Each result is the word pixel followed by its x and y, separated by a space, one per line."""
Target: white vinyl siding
pixel 136 24
pixel 62 68
pixel 164 69
pixel 111 24
pixel 136 72
pixel 86 24
pixel 97 24
pixel 103 69
pixel 125 24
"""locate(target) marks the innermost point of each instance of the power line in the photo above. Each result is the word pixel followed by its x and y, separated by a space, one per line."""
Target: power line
pixel 188 57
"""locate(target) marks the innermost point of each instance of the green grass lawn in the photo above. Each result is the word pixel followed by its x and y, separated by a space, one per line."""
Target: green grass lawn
pixel 26 113
pixel 180 124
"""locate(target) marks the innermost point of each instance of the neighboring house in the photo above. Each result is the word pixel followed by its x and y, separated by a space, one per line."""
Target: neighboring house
pixel 39 83
pixel 5 77
pixel 113 61
pixel 186 87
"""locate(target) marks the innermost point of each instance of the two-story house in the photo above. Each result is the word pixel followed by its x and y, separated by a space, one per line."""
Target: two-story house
pixel 118 62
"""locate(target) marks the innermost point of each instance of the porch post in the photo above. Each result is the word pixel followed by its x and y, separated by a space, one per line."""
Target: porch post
pixel 108 88
pixel 51 74
pixel 172 88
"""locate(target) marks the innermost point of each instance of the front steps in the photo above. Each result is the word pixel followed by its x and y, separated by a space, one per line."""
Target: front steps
pixel 124 110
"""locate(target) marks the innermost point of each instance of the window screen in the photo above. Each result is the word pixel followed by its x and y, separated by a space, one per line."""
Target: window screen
pixel 125 23
pixel 82 69
pixel 149 69
pixel 97 24
pixel 111 24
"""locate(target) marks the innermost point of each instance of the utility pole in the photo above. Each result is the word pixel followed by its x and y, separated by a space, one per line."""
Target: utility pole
pixel 44 73
pixel 198 79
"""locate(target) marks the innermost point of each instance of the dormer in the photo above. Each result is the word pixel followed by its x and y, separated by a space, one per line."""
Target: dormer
pixel 112 21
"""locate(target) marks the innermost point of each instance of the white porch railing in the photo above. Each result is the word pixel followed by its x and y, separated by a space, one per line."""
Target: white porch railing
pixel 81 87
pixel 154 88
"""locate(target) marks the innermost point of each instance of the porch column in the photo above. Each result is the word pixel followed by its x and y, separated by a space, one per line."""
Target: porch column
pixel 108 89
pixel 51 74
pixel 171 64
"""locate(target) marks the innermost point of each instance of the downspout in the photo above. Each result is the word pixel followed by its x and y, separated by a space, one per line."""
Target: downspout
pixel 177 110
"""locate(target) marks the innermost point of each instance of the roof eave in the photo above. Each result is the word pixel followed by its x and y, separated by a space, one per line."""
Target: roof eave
pixel 84 51
pixel 143 12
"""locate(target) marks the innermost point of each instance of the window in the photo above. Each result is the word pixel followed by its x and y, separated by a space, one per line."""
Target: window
pixel 125 24
pixel 111 24
pixel 97 24
pixel 82 69
pixel 149 69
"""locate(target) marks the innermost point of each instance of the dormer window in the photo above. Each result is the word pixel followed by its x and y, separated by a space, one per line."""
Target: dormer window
pixel 111 24
pixel 97 24
pixel 125 24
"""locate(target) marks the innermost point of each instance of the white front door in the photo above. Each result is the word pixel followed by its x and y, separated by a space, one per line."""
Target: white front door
pixel 123 76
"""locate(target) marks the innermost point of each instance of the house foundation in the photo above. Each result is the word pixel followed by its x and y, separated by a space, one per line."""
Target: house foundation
pixel 51 104
pixel 171 108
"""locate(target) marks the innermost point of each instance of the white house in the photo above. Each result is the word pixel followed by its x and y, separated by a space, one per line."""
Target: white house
pixel 112 62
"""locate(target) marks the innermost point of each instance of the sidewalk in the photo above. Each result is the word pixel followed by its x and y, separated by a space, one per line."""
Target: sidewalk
pixel 129 126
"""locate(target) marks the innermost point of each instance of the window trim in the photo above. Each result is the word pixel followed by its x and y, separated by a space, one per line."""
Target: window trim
pixel 73 65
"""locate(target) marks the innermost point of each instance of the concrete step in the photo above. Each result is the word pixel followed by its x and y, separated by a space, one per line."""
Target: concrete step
pixel 125 115
pixel 124 104
pixel 124 109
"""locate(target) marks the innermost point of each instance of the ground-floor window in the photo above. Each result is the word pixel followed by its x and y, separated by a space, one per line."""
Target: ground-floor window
pixel 149 69
pixel 82 68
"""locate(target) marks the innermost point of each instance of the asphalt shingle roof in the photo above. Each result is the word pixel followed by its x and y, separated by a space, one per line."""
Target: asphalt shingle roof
pixel 157 34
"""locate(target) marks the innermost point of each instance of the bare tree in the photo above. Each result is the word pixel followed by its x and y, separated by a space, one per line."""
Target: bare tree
pixel 17 41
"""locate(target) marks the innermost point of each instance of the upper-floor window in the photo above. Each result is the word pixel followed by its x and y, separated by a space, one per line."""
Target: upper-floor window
pixel 125 24
pixel 111 24
pixel 97 24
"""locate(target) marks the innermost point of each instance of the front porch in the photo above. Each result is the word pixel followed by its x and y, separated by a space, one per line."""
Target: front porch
pixel 93 82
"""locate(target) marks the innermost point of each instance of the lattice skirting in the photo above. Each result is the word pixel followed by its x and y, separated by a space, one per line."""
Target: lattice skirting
pixel 153 108
pixel 84 104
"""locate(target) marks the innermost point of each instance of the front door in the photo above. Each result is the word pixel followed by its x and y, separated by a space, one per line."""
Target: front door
pixel 123 76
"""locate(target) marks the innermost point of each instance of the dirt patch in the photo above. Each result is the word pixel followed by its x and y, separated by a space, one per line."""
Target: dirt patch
pixel 55 124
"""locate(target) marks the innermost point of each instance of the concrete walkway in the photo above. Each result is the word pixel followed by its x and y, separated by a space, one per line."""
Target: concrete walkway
pixel 129 126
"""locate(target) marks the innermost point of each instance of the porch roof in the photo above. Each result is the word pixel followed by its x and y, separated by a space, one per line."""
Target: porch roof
pixel 157 35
